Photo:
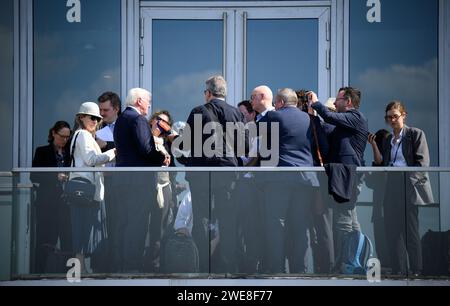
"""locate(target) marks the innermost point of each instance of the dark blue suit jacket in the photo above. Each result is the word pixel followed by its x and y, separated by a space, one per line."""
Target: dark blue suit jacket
pixel 349 138
pixel 295 137
pixel 134 141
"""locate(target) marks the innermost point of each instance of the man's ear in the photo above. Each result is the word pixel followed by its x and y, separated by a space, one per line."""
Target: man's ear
pixel 349 102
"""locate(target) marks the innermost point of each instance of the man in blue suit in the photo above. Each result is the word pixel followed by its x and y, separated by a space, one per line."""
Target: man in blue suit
pixel 348 142
pixel 287 196
pixel 134 191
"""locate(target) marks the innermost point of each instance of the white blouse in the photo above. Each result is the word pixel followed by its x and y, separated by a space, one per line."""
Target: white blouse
pixel 397 158
pixel 88 154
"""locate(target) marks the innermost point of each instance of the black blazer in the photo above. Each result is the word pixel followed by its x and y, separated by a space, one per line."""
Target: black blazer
pixel 349 138
pixel 50 189
pixel 45 157
pixel 214 111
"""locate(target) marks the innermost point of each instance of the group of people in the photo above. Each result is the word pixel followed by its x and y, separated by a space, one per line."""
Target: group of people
pixel 261 219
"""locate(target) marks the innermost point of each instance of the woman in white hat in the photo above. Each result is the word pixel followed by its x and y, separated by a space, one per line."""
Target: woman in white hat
pixel 86 153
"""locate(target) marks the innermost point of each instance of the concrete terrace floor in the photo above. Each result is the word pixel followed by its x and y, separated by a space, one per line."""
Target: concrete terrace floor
pixel 146 280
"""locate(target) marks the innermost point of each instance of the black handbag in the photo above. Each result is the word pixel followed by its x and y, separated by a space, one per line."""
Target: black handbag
pixel 78 189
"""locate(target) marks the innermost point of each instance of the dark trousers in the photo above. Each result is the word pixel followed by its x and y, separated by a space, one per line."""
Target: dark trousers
pixel 286 207
pixel 112 210
pixel 158 223
pixel 212 198
pixel 402 227
pixel 52 222
pixel 250 223
pixel 199 184
pixel 321 240
pixel 135 194
pixel 225 210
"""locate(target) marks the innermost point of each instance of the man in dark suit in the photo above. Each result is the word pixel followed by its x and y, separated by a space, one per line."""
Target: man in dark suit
pixel 348 142
pixel 287 197
pixel 134 191
pixel 214 111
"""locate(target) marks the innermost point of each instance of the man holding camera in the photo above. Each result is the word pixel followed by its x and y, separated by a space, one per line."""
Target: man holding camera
pixel 347 146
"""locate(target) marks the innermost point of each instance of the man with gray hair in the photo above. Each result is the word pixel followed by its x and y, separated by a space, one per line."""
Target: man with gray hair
pixel 220 114
pixel 135 148
pixel 285 212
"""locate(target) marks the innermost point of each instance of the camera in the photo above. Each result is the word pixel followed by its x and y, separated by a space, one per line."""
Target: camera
pixel 303 101
pixel 164 128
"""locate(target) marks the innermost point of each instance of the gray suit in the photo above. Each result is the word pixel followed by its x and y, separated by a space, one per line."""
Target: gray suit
pixel 403 195
pixel 415 151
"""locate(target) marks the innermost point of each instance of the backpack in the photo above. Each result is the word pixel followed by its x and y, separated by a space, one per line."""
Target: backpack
pixel 179 254
pixel 357 249
pixel 436 253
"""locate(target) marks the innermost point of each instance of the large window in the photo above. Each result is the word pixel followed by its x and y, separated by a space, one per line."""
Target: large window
pixel 397 58
pixel 186 53
pixel 74 61
pixel 283 53
pixel 7 83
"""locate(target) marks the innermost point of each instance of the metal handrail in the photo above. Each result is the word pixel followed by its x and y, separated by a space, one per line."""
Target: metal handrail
pixel 224 169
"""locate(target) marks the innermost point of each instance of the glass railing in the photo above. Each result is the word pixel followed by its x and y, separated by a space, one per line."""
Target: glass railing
pixel 231 223
pixel 5 224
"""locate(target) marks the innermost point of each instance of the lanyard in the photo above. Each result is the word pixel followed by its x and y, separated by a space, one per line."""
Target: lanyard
pixel 396 153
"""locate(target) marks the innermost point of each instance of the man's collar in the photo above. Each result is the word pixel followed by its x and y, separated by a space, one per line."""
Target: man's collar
pixel 135 108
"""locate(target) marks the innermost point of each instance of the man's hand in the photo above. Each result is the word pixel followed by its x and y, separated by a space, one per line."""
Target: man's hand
pixel 312 97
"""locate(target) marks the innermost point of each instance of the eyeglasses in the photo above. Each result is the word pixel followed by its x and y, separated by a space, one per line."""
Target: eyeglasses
pixel 94 118
pixel 205 91
pixel 159 118
pixel 63 136
pixel 252 97
pixel 393 117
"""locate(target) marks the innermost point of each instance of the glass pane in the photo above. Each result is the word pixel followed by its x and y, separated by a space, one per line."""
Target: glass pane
pixel 7 83
pixel 389 68
pixel 73 62
pixel 282 53
pixel 185 54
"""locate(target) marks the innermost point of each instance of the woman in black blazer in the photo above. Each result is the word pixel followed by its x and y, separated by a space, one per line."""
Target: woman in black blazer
pixel 405 147
pixel 52 214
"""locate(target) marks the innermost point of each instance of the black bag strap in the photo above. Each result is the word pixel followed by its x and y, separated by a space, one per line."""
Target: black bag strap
pixel 72 159
pixel 316 140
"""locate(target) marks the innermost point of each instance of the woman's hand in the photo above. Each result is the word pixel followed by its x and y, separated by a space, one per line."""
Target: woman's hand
pixel 371 139
pixel 166 161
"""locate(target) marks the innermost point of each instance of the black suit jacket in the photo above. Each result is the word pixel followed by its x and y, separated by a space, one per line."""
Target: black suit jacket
pixel 221 112
pixel 349 138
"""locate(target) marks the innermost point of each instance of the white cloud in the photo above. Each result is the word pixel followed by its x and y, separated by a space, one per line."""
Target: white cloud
pixel 183 93
pixel 415 85
pixel 411 83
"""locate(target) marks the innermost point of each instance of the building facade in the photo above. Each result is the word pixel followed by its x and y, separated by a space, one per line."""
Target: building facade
pixel 56 54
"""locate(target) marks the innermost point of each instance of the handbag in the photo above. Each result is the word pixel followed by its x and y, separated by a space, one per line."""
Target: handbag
pixel 78 189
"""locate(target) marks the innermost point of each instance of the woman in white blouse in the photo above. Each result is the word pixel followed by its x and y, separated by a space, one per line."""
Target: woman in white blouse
pixel 405 147
pixel 86 153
